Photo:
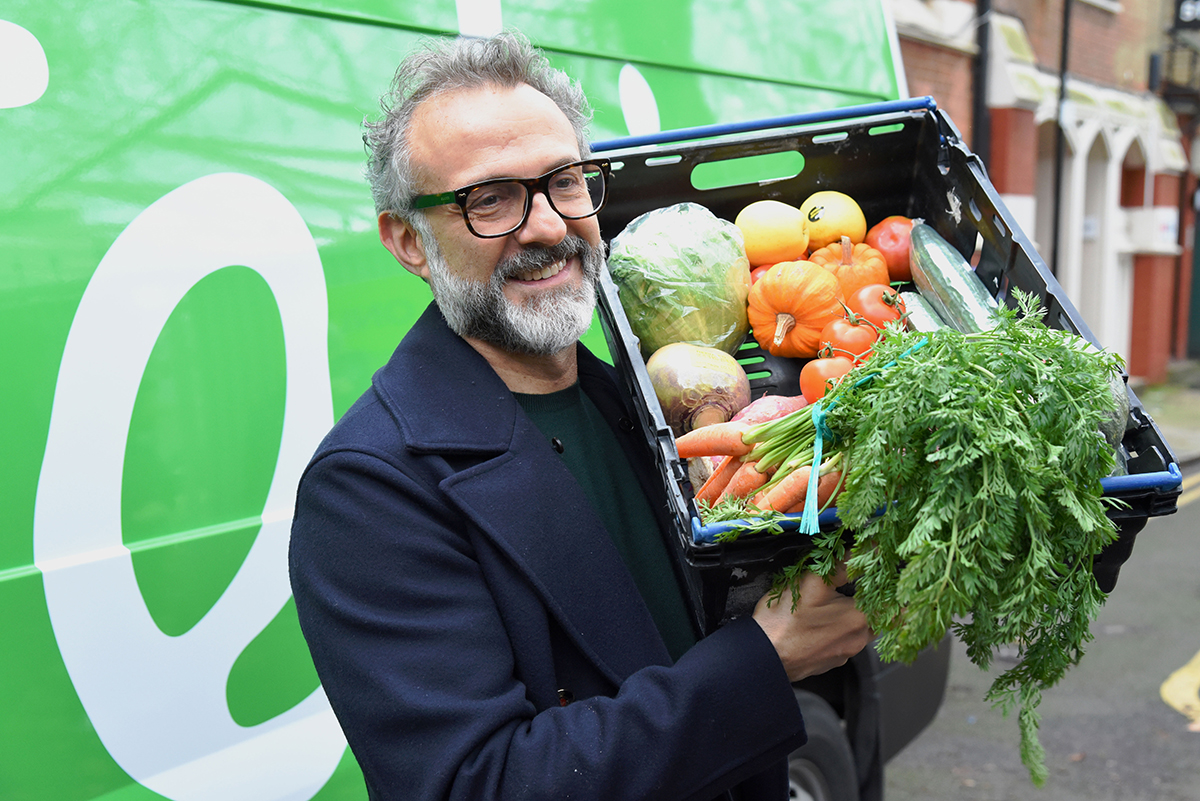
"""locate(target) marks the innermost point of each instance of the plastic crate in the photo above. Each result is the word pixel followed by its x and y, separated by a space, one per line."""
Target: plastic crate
pixel 904 157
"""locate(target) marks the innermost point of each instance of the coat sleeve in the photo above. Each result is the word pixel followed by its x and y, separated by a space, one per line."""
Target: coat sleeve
pixel 412 652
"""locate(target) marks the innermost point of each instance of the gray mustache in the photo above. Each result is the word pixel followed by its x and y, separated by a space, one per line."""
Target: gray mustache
pixel 541 257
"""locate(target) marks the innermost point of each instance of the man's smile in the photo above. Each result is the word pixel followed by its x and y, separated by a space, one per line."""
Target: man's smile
pixel 549 271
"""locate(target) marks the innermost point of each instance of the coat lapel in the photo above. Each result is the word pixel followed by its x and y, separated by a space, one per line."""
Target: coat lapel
pixel 449 402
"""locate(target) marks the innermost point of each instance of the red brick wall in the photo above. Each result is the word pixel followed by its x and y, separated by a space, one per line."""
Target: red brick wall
pixel 1013 166
pixel 1184 274
pixel 1155 303
pixel 944 74
pixel 1105 48
pixel 1153 293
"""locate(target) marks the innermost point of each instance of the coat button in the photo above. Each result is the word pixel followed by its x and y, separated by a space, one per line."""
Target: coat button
pixel 565 697
pixel 556 443
pixel 625 424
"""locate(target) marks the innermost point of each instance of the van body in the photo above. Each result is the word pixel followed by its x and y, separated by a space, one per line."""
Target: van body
pixel 192 291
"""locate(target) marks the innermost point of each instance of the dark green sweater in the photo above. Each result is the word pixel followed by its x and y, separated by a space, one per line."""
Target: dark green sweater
pixel 592 453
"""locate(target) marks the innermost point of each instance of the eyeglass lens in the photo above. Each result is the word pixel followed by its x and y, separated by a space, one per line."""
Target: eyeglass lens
pixel 575 191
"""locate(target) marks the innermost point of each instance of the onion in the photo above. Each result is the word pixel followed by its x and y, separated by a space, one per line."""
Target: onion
pixel 697 386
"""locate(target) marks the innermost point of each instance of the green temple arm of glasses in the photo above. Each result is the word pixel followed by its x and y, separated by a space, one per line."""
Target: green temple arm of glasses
pixel 426 201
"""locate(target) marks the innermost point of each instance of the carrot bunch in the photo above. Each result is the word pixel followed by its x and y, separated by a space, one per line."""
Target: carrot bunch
pixel 767 466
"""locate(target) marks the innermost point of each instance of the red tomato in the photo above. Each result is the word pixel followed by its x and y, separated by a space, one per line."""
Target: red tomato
pixel 850 336
pixel 890 236
pixel 879 303
pixel 758 273
pixel 820 375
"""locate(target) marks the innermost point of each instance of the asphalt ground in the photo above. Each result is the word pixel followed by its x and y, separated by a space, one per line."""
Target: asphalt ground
pixel 1124 724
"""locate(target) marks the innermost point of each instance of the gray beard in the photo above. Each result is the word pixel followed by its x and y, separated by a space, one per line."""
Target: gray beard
pixel 540 326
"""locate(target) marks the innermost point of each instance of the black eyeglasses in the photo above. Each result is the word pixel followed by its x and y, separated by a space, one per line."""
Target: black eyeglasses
pixel 500 206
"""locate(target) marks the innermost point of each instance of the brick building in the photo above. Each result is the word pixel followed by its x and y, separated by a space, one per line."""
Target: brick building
pixel 1124 222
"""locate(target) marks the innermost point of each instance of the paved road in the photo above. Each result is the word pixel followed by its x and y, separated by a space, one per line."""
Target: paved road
pixel 1106 729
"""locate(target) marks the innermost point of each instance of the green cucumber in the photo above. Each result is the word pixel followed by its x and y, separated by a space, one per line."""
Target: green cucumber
pixel 946 280
pixel 919 314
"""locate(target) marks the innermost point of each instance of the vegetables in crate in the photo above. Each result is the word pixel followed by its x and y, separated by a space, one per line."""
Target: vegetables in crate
pixel 852 336
pixel 879 304
pixel 772 232
pixel 947 281
pixel 984 454
pixel 832 215
pixel 697 386
pixel 890 236
pixel 683 276
pixel 821 374
pixel 854 266
pixel 971 499
pixel 921 316
pixel 790 305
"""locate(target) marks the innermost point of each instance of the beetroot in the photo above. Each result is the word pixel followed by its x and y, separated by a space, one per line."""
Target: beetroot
pixel 697 386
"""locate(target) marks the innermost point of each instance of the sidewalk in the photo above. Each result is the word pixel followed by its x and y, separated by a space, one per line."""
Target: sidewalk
pixel 1175 407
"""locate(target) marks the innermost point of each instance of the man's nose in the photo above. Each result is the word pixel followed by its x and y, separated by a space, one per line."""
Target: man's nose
pixel 544 225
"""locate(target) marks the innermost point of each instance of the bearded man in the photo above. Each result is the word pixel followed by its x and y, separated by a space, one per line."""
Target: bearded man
pixel 479 554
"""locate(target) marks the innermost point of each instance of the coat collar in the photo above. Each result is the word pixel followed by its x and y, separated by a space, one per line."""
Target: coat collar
pixel 448 401
pixel 443 394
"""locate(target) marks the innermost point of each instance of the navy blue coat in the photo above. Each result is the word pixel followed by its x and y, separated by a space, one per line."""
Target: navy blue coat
pixel 451 578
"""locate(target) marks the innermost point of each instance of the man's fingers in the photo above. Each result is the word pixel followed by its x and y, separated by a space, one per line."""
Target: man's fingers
pixel 840 576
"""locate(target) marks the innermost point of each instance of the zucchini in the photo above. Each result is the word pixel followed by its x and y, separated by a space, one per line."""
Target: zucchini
pixel 919 315
pixel 946 280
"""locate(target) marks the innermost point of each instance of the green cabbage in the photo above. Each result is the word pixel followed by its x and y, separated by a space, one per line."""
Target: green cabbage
pixel 683 276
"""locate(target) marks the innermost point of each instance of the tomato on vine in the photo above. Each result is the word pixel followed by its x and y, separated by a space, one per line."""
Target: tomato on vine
pixel 879 303
pixel 821 374
pixel 852 336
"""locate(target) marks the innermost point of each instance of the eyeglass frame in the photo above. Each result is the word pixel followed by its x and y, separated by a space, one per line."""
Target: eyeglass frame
pixel 538 184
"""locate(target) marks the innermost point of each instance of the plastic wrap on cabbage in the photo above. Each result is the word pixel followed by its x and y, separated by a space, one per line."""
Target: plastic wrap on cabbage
pixel 683 276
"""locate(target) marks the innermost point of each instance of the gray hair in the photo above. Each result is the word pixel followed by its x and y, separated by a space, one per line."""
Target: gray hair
pixel 447 64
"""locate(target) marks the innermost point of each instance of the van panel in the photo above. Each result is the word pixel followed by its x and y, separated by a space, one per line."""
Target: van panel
pixel 192 290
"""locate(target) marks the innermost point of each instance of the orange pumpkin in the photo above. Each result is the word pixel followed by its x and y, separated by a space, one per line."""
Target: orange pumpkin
pixel 790 305
pixel 854 266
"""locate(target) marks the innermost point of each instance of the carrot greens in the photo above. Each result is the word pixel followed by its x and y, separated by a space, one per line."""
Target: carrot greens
pixel 972 498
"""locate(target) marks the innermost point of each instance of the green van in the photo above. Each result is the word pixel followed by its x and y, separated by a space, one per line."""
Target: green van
pixel 192 291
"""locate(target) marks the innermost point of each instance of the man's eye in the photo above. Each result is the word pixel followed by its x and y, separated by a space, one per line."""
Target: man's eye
pixel 567 181
pixel 490 199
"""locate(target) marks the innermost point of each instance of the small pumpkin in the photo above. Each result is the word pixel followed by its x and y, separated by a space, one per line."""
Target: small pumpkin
pixel 854 266
pixel 790 306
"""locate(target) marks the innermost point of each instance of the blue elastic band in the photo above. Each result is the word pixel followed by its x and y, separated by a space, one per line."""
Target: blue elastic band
pixel 808 521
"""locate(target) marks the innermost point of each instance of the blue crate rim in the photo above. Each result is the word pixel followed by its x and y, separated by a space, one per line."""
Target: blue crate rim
pixel 1162 481
pixel 750 126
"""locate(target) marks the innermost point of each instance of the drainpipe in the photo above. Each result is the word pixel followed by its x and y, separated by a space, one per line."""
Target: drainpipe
pixel 981 123
pixel 1060 137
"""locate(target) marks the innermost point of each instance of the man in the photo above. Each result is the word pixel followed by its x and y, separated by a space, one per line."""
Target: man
pixel 477 555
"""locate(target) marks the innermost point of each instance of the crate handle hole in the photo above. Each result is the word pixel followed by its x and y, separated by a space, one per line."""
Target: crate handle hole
pixel 1000 226
pixel 764 168
pixel 880 130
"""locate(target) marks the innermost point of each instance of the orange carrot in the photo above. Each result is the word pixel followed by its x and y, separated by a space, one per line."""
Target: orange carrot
pixel 783 495
pixel 719 439
pixel 826 484
pixel 745 481
pixel 711 489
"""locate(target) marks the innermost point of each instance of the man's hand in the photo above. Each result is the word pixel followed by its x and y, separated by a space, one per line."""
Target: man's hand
pixel 824 632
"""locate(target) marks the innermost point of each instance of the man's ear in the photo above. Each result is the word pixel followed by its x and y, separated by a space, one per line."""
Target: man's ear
pixel 404 243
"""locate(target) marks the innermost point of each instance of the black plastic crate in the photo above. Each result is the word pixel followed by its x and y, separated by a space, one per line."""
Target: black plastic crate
pixel 903 157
